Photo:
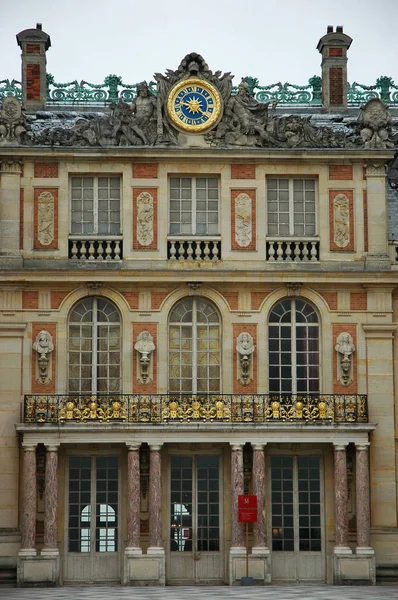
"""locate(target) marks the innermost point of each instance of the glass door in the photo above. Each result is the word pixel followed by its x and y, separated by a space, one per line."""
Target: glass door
pixel 93 519
pixel 297 519
pixel 195 520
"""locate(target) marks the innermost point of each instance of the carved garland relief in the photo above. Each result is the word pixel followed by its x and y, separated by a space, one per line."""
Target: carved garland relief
pixel 145 217
pixel 341 216
pixel 243 220
pixel 45 218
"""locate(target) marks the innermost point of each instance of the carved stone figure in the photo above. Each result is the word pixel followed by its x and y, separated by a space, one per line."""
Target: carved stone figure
pixel 341 215
pixel 144 347
pixel 376 125
pixel 145 219
pixel 43 345
pixel 13 127
pixel 245 348
pixel 345 349
pixel 45 218
pixel 243 220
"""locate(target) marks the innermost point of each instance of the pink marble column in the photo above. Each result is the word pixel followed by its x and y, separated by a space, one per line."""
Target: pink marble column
pixel 259 528
pixel 51 499
pixel 363 496
pixel 133 497
pixel 29 498
pixel 155 498
pixel 340 497
pixel 237 487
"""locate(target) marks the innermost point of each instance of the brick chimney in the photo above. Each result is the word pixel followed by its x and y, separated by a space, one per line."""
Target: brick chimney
pixel 34 44
pixel 333 46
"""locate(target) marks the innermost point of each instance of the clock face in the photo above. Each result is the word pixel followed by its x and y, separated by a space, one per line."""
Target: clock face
pixel 194 105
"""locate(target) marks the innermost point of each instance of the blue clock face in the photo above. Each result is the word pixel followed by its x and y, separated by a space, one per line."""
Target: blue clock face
pixel 194 105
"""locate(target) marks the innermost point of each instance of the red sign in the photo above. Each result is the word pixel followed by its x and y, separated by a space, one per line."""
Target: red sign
pixel 247 515
pixel 247 508
pixel 247 501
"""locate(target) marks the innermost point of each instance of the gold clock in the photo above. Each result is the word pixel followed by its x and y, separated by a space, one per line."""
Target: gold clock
pixel 194 105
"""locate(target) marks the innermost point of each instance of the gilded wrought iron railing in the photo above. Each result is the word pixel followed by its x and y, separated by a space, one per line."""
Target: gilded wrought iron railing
pixel 165 408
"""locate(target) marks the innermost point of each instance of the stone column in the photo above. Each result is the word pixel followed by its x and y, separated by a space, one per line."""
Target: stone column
pixel 133 500
pixel 363 498
pixel 259 528
pixel 377 257
pixel 29 500
pixel 237 488
pixel 340 499
pixel 155 500
pixel 51 501
pixel 10 177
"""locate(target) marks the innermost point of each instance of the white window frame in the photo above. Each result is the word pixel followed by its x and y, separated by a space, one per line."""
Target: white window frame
pixel 95 211
pixel 194 200
pixel 292 223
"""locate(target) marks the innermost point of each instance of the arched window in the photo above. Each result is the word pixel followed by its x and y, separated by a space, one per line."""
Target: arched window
pixel 194 348
pixel 94 347
pixel 293 338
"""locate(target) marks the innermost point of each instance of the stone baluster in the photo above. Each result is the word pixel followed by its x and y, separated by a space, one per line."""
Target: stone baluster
pixel 198 251
pixel 155 500
pixel 29 500
pixel 181 250
pixel 173 250
pixel 74 250
pixel 363 499
pixel 117 250
pixel 313 252
pixel 91 251
pixel 108 250
pixel 279 251
pixel 305 252
pixel 271 251
pixel 340 499
pixel 288 252
pixel 133 499
pixel 237 485
pixel 51 500
pixel 215 251
pixel 259 528
pixel 189 251
pixel 297 252
pixel 206 251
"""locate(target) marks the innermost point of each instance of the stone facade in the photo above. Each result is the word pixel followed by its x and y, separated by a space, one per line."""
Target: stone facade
pixel 195 248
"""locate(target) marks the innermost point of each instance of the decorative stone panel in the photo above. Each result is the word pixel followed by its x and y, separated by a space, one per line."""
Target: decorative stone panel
pixel 151 387
pixel 338 387
pixel 48 388
pixel 238 387
pixel 145 218
pixel 243 219
pixel 45 218
pixel 341 219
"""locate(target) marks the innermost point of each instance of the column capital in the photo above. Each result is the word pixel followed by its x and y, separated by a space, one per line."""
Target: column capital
pixel 362 445
pixel 236 446
pixel 12 166
pixel 376 170
pixel 379 331
pixel 155 447
pixel 52 447
pixel 259 446
pixel 29 447
pixel 340 445
pixel 133 447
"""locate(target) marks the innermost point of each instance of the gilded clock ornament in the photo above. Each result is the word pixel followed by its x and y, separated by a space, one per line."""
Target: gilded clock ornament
pixel 194 105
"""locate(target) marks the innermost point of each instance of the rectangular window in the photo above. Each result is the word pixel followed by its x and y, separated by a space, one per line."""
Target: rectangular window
pixel 194 205
pixel 291 207
pixel 95 205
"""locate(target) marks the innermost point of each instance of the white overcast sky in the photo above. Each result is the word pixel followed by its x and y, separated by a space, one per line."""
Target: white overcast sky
pixel 273 40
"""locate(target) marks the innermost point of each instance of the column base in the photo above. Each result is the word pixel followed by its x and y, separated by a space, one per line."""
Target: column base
pixel 144 569
pixel 354 569
pixel 259 565
pixel 34 570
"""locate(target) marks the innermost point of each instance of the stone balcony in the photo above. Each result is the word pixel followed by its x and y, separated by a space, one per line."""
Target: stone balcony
pixel 198 249
pixel 222 408
pixel 393 252
pixel 95 248
pixel 292 249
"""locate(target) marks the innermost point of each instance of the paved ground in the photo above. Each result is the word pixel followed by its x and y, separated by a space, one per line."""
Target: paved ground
pixel 298 592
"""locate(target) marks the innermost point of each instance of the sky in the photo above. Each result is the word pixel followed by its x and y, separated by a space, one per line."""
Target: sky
pixel 273 40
